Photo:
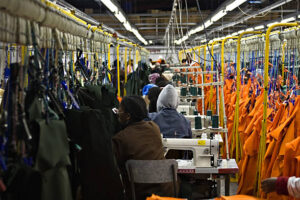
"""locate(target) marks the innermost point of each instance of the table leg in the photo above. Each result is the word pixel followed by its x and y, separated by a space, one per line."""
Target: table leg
pixel 219 187
pixel 227 185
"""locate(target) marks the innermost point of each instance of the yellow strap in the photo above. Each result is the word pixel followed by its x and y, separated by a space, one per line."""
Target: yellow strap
pixel 130 61
pixel 283 57
pixel 199 49
pixel 118 69
pixel 108 61
pixel 125 69
pixel 211 77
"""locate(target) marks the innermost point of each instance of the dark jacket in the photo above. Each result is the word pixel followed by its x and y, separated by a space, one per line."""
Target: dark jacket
pixel 171 123
pixel 140 141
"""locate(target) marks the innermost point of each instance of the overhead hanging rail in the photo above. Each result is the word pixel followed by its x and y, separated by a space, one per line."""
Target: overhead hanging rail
pixel 17 17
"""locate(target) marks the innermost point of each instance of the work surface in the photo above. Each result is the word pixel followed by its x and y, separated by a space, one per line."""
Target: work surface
pixel 224 167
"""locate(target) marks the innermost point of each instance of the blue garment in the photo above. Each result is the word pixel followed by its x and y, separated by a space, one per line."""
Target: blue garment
pixel 171 123
pixel 147 88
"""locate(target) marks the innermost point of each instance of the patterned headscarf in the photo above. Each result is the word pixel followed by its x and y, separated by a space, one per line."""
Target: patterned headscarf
pixel 153 77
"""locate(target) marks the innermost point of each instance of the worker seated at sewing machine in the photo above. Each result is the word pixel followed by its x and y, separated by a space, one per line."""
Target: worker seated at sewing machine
pixel 171 123
pixel 139 140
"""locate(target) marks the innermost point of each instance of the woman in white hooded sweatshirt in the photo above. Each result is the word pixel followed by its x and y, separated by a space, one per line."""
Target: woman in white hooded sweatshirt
pixel 171 123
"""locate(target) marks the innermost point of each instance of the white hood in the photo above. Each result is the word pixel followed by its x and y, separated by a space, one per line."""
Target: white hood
pixel 168 98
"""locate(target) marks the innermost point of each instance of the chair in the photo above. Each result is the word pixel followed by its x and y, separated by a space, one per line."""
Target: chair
pixel 152 171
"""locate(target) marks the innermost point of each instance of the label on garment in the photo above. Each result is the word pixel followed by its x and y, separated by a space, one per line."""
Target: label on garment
pixel 201 142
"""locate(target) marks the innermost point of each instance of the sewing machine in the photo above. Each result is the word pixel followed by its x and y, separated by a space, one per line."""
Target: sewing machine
pixel 205 151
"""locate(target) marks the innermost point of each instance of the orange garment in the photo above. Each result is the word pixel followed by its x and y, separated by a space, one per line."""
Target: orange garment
pixel 277 152
pixel 237 197
pixel 251 148
pixel 155 197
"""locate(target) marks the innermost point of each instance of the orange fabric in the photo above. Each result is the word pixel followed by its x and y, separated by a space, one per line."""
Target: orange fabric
pixel 236 197
pixel 155 197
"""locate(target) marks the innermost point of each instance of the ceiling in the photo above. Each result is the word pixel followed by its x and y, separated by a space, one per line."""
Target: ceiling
pixel 151 17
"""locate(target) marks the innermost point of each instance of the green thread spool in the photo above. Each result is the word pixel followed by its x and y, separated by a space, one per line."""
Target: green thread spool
pixel 198 123
pixel 183 91
pixel 200 91
pixel 209 113
pixel 215 121
pixel 193 91
pixel 183 78
pixel 195 112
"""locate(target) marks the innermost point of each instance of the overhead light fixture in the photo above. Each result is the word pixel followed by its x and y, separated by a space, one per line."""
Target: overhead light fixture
pixel 120 17
pixel 208 23
pixel 259 27
pixel 272 23
pixel 250 29
pixel 110 5
pixel 150 42
pixel 185 38
pixel 235 33
pixel 298 16
pixel 288 20
pixel 233 5
pixel 127 26
pixel 204 40
pixel 219 15
pixel 241 31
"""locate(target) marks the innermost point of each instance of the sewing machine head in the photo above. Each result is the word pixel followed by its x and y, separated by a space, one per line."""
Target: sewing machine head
pixel 205 151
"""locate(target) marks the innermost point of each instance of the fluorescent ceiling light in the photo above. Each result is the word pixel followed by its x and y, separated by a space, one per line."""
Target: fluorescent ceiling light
pixel 241 31
pixel 259 27
pixel 234 34
pixel 127 26
pixel 288 20
pixel 185 38
pixel 199 28
pixel 272 24
pixel 120 17
pixel 234 5
pixel 150 42
pixel 250 29
pixel 208 23
pixel 110 5
pixel 218 16
pixel 298 16
pixel 204 40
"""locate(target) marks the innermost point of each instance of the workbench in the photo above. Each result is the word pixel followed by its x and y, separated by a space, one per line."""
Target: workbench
pixel 223 171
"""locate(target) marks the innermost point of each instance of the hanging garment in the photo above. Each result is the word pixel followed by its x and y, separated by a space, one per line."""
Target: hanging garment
pixel 140 141
pixel 17 179
pixel 92 128
pixel 52 156
pixel 98 171
pixel 137 80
